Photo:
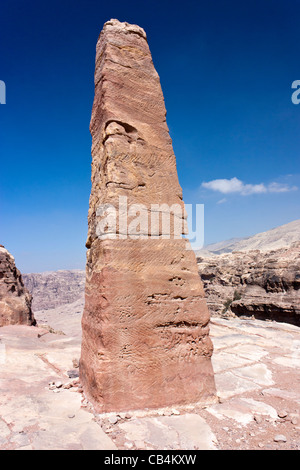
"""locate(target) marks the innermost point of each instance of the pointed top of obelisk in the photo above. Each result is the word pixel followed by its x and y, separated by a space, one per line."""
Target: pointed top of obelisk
pixel 124 27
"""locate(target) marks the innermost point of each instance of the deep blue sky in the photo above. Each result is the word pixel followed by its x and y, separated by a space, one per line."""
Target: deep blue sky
pixel 226 70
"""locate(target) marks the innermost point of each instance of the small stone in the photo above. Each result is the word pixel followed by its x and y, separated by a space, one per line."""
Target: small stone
pixel 129 445
pixel 56 390
pixel 294 421
pixel 282 414
pixel 238 441
pixel 175 412
pixel 58 384
pixel 128 416
pixel 68 385
pixel 71 416
pixel 225 428
pixel 261 445
pixel 52 387
pixel 73 374
pixel 280 438
pixel 113 419
pixel 258 419
pixel 75 363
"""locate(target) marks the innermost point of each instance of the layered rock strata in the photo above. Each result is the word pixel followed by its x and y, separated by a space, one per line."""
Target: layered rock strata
pixel 265 285
pixel 52 289
pixel 145 324
pixel 15 300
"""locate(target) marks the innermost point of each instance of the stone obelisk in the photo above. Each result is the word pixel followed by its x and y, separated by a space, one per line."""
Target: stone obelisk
pixel 145 324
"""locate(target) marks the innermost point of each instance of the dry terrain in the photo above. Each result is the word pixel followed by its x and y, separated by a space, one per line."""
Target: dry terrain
pixel 42 405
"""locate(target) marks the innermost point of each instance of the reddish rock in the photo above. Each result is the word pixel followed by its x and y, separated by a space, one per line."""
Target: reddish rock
pixel 263 284
pixel 145 324
pixel 15 300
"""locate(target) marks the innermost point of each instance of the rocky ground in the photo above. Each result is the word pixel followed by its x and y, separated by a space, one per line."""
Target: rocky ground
pixel 264 284
pixel 256 366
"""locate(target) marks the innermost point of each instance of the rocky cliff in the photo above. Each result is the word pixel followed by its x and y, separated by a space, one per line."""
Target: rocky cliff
pixel 263 284
pixel 15 300
pixel 54 288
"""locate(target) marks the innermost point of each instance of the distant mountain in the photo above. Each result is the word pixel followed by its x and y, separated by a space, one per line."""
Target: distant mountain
pixel 225 246
pixel 279 237
pixel 51 289
pixel 54 288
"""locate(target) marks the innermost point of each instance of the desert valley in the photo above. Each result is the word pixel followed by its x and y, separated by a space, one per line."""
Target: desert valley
pixel 151 345
pixel 256 357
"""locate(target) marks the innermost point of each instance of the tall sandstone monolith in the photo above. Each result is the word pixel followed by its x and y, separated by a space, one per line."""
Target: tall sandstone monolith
pixel 145 324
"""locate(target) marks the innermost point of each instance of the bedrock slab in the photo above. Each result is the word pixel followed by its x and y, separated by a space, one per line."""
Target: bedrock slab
pixel 34 416
pixel 186 432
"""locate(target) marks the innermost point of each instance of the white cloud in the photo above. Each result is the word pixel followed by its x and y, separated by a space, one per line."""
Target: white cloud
pixel 234 185
pixel 281 188
pixel 222 200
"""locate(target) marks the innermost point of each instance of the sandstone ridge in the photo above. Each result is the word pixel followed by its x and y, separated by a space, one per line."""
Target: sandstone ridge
pixel 15 300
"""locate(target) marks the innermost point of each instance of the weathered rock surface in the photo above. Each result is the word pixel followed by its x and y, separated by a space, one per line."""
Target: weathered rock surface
pixel 263 284
pixel 145 324
pixel 15 300
pixel 52 289
pixel 34 415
